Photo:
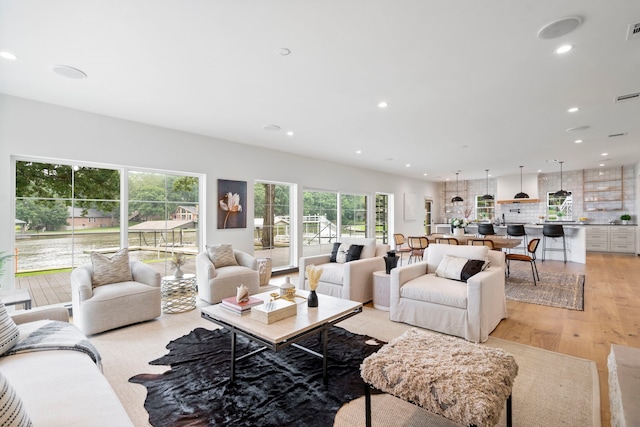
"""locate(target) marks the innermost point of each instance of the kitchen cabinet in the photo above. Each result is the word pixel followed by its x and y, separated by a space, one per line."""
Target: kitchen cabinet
pixel 603 189
pixel 612 238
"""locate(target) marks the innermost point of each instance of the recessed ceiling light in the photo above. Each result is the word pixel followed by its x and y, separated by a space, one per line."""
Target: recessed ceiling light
pixel 358 151
pixel 283 51
pixel 605 154
pixel 8 55
pixel 290 133
pixel 272 128
pixel 424 174
pixel 408 165
pixel 601 164
pixel 564 48
pixel 383 104
pixel 578 141
pixel 69 72
pixel 573 109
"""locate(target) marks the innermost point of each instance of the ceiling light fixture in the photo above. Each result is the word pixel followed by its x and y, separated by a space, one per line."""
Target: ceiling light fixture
pixel 564 49
pixel 573 109
pixel 521 195
pixel 283 51
pixel 578 141
pixel 559 27
pixel 408 165
pixel 272 128
pixel 383 104
pixel 457 198
pixel 605 154
pixel 561 192
pixel 358 151
pixel 487 196
pixel 69 72
pixel 290 133
pixel 8 55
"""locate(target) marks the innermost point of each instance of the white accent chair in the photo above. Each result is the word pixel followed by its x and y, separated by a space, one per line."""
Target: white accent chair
pixel 101 308
pixel 351 280
pixel 470 310
pixel 216 283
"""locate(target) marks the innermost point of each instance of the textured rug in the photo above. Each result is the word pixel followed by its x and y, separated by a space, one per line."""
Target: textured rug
pixel 271 389
pixel 553 289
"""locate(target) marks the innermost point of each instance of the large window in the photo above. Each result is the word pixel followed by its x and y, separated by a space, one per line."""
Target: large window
pixel 319 221
pixel 353 214
pixel 559 208
pixel 382 218
pixel 273 228
pixel 66 211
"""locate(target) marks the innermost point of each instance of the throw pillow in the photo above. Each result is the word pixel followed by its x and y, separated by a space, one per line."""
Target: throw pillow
pixel 460 269
pixel 341 256
pixel 9 332
pixel 222 255
pixel 12 411
pixel 334 252
pixel 114 269
pixel 353 254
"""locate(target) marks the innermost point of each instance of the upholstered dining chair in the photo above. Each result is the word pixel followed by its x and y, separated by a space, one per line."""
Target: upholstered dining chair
pixel 531 258
pixel 481 242
pixel 399 241
pixel 417 244
pixel 447 241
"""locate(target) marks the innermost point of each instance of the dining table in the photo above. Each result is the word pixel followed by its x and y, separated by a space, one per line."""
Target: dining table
pixel 499 242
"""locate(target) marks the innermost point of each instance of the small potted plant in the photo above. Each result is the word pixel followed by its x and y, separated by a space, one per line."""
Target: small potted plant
pixel 178 261
pixel 625 218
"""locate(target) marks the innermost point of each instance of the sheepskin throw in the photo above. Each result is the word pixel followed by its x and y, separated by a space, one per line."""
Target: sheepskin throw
pixel 465 382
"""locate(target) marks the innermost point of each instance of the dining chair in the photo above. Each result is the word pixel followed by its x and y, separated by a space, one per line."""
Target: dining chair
pixel 399 241
pixel 531 258
pixel 481 242
pixel 517 230
pixel 417 244
pixel 447 240
pixel 486 230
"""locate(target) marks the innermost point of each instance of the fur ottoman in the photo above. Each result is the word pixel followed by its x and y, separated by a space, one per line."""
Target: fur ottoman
pixel 464 382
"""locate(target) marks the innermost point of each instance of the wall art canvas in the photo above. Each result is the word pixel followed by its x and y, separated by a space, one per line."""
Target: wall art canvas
pixel 232 200
pixel 410 206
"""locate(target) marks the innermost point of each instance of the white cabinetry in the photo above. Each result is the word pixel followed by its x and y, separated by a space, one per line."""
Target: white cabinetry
pixel 611 238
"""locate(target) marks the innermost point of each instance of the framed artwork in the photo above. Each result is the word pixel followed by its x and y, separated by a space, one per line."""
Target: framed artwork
pixel 409 206
pixel 232 200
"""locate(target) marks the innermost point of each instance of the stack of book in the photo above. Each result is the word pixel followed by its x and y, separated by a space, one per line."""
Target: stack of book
pixel 240 307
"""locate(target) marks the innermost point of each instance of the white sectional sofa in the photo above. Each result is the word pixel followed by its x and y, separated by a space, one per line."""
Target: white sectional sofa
pixel 470 309
pixel 351 280
pixel 60 387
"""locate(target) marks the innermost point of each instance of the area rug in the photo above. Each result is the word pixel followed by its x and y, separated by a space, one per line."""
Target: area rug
pixel 271 389
pixel 553 289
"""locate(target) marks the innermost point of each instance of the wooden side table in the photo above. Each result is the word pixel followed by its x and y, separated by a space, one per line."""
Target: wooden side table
pixel 381 290
pixel 178 293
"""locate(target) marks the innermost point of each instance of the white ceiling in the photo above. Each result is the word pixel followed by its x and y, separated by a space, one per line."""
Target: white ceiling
pixel 469 84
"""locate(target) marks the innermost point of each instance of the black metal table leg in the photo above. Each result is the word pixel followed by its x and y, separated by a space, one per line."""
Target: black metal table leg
pixel 325 339
pixel 233 357
pixel 367 404
pixel 509 414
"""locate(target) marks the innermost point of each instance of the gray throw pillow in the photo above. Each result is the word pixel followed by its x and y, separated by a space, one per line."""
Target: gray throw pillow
pixel 222 255
pixel 114 269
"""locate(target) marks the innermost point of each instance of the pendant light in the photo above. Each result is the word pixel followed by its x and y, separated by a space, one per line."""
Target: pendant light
pixel 457 198
pixel 487 196
pixel 521 195
pixel 561 192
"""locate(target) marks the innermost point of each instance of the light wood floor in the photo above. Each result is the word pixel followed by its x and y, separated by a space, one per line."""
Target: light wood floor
pixel 611 315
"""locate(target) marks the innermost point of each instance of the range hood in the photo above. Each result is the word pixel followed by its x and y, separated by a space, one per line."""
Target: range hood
pixel 509 186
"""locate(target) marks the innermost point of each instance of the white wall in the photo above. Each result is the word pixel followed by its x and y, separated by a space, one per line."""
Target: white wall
pixel 29 128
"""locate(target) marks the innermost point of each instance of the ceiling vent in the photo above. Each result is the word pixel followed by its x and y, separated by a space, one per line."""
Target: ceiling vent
pixel 613 135
pixel 634 31
pixel 627 97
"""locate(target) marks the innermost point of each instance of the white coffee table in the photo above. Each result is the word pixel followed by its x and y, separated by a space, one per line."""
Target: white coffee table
pixel 285 332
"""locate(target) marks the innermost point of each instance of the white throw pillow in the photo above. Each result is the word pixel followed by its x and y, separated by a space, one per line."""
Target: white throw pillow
pixel 9 332
pixel 114 269
pixel 341 256
pixel 459 268
pixel 222 255
pixel 12 412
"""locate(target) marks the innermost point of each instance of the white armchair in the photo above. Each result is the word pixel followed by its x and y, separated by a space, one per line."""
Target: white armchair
pixel 109 306
pixel 470 309
pixel 351 280
pixel 221 269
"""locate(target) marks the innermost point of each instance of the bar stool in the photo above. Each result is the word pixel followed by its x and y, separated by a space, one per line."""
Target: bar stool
pixel 517 230
pixel 553 231
pixel 486 230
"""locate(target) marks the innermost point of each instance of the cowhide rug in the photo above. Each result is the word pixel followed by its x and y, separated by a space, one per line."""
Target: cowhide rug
pixel 271 389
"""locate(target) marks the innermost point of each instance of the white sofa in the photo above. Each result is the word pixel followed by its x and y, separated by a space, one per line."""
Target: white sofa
pixel 350 280
pixel 61 387
pixel 470 310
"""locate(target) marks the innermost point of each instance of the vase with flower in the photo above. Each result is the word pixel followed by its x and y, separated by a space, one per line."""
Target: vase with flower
pixel 313 273
pixel 177 262
pixel 458 225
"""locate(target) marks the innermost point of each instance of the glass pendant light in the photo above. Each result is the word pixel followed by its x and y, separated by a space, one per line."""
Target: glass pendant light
pixel 487 196
pixel 521 195
pixel 561 192
pixel 457 198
